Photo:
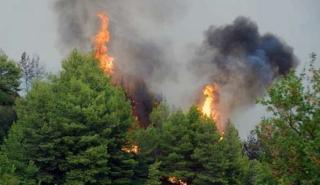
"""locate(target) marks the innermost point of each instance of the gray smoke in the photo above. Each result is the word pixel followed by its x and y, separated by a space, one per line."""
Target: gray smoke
pixel 236 57
pixel 242 62
pixel 135 26
pixel 142 54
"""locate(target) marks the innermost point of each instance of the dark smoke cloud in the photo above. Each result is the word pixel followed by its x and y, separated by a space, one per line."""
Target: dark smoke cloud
pixel 236 57
pixel 242 61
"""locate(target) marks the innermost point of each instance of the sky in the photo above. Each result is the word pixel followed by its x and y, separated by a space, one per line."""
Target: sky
pixel 31 26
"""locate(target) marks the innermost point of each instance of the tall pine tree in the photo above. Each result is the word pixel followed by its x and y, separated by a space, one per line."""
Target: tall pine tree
pixel 9 86
pixel 189 148
pixel 74 127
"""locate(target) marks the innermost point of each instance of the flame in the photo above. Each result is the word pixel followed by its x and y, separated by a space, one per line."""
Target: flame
pixel 175 180
pixel 209 107
pixel 221 136
pixel 132 149
pixel 101 40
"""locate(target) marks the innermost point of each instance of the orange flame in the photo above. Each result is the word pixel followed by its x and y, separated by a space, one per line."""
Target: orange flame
pixel 175 180
pixel 101 40
pixel 131 149
pixel 209 107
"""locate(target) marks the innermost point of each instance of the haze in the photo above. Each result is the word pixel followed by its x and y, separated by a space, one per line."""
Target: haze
pixel 31 26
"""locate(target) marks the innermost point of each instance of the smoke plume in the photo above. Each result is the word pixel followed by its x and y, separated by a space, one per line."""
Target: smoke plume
pixel 141 53
pixel 242 62
pixel 236 57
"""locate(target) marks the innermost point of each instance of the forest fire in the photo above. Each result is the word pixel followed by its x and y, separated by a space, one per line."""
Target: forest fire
pixel 132 94
pixel 134 86
pixel 101 39
pixel 175 180
pixel 131 149
pixel 209 106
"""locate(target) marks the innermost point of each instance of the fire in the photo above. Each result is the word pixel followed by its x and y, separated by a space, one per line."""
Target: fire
pixel 101 40
pixel 221 136
pixel 209 107
pixel 132 149
pixel 175 180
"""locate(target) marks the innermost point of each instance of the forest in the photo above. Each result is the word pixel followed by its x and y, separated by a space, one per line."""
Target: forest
pixel 78 128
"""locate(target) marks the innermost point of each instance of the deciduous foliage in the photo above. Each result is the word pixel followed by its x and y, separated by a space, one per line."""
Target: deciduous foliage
pixel 290 138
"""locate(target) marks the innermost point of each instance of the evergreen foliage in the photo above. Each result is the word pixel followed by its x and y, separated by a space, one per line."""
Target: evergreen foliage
pixel 77 128
pixel 9 87
pixel 73 128
pixel 190 149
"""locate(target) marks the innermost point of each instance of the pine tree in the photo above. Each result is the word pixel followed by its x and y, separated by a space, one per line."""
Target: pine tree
pixel 9 87
pixel 189 148
pixel 74 126
pixel 7 172
pixel 237 161
pixel 154 174
pixel 13 155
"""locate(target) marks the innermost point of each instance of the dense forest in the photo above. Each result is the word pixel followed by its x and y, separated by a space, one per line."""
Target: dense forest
pixel 77 128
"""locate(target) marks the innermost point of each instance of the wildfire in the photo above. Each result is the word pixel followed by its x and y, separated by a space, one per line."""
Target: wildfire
pixel 209 107
pixel 132 149
pixel 175 180
pixel 101 40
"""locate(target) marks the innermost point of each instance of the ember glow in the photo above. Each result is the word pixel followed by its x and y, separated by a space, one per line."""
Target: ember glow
pixel 209 106
pixel 175 180
pixel 135 87
pixel 101 40
pixel 131 149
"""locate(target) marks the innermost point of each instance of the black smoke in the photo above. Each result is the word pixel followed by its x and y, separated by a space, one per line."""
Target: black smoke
pixel 242 39
pixel 242 61
pixel 237 57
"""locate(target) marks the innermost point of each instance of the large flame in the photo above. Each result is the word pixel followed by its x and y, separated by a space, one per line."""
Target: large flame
pixel 209 106
pixel 101 40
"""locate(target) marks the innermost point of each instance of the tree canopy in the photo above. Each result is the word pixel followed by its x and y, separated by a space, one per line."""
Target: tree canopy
pixel 73 127
pixel 290 138
pixel 9 87
pixel 77 127
pixel 189 149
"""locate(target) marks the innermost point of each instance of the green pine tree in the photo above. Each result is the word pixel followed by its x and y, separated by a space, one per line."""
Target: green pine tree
pixel 9 86
pixel 237 161
pixel 189 148
pixel 154 174
pixel 74 127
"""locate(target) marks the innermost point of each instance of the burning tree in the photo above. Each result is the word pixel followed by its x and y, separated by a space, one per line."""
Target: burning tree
pixel 210 105
pixel 190 150
pixel 141 99
pixel 101 40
